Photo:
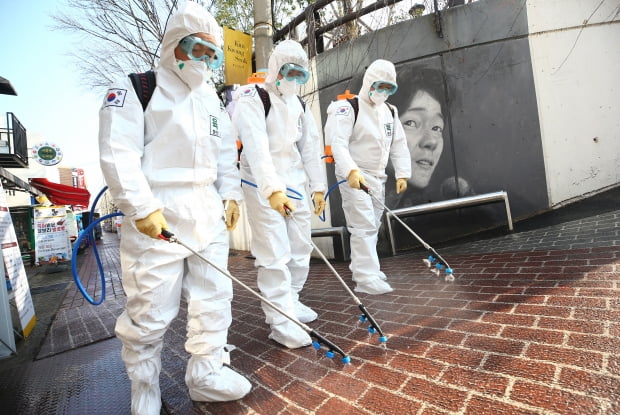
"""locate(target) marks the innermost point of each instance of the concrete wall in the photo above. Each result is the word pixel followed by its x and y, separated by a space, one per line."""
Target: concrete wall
pixel 575 47
pixel 529 99
pixel 524 109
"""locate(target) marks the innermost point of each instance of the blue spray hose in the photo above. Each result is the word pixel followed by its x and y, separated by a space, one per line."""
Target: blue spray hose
pixel 76 278
pixel 88 233
pixel 332 187
pixel 297 195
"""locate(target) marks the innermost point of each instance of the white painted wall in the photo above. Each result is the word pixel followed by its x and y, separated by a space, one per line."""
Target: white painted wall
pixel 575 48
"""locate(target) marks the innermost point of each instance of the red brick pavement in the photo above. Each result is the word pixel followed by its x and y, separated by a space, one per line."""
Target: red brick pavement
pixel 517 333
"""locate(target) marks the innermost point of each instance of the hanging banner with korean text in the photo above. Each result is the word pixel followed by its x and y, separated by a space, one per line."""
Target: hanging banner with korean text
pixel 52 244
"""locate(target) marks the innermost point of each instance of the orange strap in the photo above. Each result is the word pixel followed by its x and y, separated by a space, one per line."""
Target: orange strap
pixel 329 155
pixel 257 78
pixel 347 94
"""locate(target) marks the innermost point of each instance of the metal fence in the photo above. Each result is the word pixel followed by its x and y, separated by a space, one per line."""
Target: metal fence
pixel 314 22
pixel 14 143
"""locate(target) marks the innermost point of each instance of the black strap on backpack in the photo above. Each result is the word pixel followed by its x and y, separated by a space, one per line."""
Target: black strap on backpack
pixel 144 85
pixel 302 102
pixel 264 96
pixel 356 107
pixel 391 109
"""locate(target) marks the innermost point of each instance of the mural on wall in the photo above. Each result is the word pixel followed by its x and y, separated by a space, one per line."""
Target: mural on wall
pixel 424 114
pixel 470 129
pixel 440 171
pixel 469 110
pixel 421 104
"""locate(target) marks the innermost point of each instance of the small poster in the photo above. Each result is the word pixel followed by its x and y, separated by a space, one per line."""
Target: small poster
pixel 238 56
pixel 52 243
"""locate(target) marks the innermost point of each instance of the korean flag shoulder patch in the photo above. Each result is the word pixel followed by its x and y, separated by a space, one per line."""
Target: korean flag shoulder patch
pixel 343 110
pixel 115 97
pixel 247 91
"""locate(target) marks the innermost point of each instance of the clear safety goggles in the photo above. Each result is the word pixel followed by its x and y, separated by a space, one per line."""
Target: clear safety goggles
pixel 199 50
pixel 386 87
pixel 294 72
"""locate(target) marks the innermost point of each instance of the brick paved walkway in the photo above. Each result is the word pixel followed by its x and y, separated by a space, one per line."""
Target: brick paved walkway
pixel 531 326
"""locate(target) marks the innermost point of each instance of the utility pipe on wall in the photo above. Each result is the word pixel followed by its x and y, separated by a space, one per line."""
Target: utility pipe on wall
pixel 263 32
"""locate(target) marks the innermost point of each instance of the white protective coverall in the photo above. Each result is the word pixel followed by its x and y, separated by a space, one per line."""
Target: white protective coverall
pixel 178 155
pixel 280 151
pixel 366 145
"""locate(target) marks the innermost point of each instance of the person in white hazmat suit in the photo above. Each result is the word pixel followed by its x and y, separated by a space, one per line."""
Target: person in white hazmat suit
pixel 361 150
pixel 173 166
pixel 281 151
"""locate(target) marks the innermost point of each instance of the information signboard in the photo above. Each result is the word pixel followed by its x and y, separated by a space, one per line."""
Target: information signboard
pixel 15 268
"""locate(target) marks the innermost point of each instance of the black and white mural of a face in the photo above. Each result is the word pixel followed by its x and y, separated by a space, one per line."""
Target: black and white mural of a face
pixel 471 125
pixel 423 123
pixel 420 101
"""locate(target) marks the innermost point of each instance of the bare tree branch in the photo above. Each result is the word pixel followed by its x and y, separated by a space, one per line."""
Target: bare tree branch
pixel 116 36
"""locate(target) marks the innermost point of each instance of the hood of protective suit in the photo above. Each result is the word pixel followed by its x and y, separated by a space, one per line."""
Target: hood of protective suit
pixel 287 51
pixel 379 70
pixel 189 19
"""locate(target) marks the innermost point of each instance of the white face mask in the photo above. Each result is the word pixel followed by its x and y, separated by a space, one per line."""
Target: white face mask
pixel 378 97
pixel 193 73
pixel 286 88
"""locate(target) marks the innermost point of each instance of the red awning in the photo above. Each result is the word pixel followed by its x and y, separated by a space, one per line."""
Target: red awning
pixel 61 194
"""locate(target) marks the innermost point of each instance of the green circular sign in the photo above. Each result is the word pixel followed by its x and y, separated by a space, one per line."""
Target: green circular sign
pixel 47 154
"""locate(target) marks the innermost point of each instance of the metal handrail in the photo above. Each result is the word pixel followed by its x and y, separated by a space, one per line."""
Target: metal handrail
pixel 480 199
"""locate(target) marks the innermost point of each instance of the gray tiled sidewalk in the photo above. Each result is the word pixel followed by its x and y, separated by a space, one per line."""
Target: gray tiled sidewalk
pixel 596 231
pixel 531 326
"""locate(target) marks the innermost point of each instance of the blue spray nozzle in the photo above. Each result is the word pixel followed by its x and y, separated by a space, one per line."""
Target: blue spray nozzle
pixel 363 318
pixel 346 360
pixel 383 339
pixel 331 347
pixel 374 327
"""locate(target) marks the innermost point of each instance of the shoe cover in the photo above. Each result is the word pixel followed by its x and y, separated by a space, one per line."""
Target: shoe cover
pixel 374 286
pixel 290 335
pixel 304 313
pixel 208 380
pixel 145 398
